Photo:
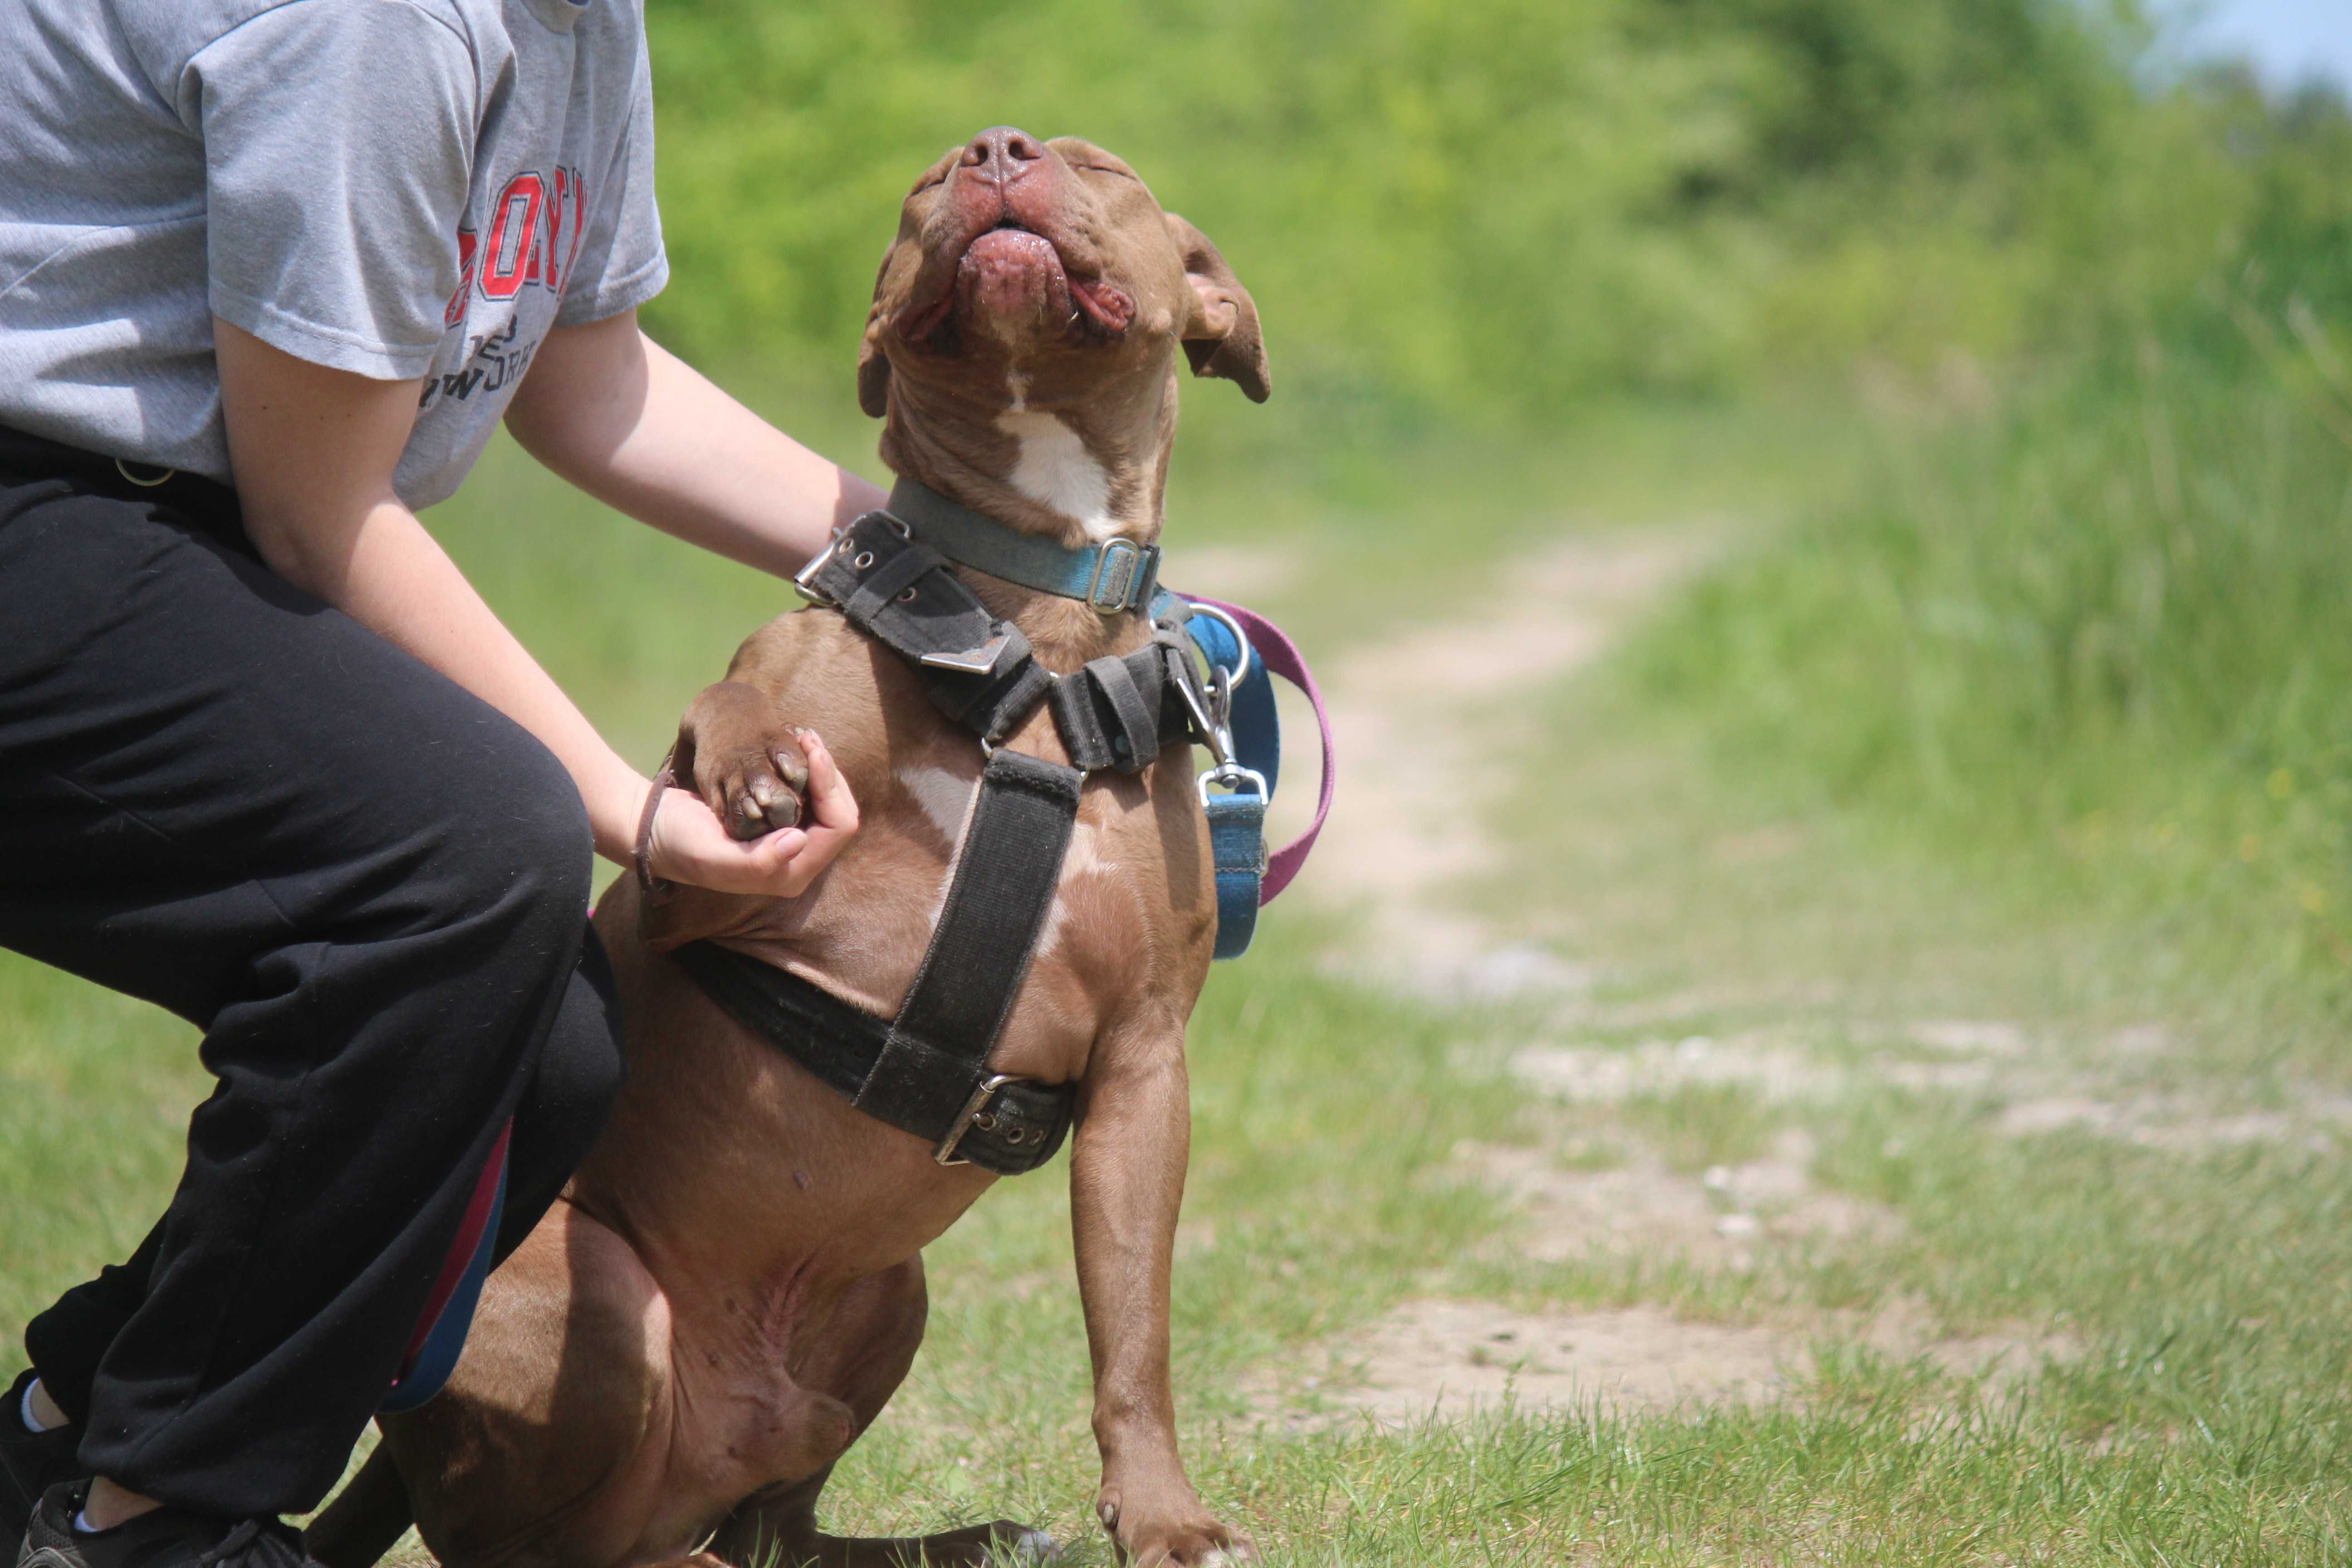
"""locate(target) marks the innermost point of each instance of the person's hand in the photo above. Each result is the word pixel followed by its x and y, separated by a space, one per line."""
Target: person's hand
pixel 689 843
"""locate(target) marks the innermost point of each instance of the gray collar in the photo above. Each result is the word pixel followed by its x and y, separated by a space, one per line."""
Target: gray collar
pixel 1114 576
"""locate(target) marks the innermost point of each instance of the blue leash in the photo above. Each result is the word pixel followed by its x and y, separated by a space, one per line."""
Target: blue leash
pixel 1237 818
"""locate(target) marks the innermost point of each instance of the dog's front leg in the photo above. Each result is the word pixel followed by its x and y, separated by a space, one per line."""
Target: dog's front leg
pixel 1127 1181
pixel 736 751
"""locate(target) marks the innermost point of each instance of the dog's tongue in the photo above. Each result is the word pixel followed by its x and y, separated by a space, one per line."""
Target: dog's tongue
pixel 1010 273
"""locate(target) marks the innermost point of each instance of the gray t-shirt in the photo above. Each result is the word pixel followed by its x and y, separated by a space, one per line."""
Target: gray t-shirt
pixel 399 188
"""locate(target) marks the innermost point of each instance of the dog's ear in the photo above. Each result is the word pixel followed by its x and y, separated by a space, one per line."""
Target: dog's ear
pixel 1221 333
pixel 873 364
pixel 873 379
pixel 873 368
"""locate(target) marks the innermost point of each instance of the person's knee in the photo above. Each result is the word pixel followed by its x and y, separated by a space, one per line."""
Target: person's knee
pixel 552 857
pixel 527 861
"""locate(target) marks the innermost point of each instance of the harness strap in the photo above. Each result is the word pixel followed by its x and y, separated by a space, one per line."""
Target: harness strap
pixel 1119 711
pixel 1116 714
pixel 1003 885
pixel 1016 1131
pixel 927 1073
pixel 904 594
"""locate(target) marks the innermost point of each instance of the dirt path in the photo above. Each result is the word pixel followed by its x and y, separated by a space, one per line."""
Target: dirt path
pixel 1423 723
pixel 1429 729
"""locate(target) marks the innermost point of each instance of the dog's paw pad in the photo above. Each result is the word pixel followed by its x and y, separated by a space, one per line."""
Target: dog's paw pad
pixel 758 802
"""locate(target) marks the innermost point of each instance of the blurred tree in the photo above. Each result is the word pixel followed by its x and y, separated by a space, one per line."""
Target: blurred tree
pixel 1496 206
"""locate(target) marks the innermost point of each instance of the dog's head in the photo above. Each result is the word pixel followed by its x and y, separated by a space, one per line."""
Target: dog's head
pixel 1030 274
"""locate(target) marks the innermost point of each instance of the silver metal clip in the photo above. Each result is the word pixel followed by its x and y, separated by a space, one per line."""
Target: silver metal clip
pixel 1195 707
pixel 946 1152
pixel 1221 715
pixel 1233 776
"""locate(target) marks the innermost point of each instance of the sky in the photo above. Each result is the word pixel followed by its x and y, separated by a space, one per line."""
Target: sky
pixel 2289 41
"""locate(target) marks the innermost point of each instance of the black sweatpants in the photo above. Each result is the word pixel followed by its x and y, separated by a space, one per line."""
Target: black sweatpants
pixel 367 888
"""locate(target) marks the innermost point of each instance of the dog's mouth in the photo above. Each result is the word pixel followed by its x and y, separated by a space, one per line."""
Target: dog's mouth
pixel 1018 277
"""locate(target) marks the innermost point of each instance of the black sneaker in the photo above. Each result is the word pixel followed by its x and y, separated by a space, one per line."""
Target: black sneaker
pixel 30 1462
pixel 160 1538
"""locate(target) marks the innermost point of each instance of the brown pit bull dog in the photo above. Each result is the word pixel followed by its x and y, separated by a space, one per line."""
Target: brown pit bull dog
pixel 732 1287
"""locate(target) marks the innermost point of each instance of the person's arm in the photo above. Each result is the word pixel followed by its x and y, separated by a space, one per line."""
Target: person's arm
pixel 630 423
pixel 313 451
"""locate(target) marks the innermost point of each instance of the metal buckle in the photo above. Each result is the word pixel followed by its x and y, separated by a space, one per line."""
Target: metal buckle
pixel 980 661
pixel 804 580
pixel 945 1154
pixel 1109 593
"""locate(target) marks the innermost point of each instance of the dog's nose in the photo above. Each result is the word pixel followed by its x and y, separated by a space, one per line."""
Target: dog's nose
pixel 1002 154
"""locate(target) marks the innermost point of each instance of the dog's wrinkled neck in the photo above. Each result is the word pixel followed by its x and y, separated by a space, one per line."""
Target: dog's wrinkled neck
pixel 1074 474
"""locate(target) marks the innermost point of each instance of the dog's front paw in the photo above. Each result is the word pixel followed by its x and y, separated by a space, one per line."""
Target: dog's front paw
pixel 1179 1531
pixel 736 752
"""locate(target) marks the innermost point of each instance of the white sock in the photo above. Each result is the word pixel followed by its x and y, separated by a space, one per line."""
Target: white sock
pixel 25 1409
pixel 82 1523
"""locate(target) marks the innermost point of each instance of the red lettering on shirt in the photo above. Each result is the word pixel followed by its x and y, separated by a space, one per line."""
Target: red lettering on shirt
pixel 456 312
pixel 534 239
pixel 512 258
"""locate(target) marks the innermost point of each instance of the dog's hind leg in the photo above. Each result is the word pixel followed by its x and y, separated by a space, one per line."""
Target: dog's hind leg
pixel 548 1447
pixel 777 1529
pixel 861 1361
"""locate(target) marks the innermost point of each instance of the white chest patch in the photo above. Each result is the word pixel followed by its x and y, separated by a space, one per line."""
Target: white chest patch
pixel 1082 860
pixel 945 799
pixel 1055 470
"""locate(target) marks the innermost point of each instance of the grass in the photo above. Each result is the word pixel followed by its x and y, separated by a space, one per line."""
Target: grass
pixel 2087 643
pixel 2201 1409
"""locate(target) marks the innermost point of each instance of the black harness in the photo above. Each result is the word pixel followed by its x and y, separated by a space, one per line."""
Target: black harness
pixel 925 1072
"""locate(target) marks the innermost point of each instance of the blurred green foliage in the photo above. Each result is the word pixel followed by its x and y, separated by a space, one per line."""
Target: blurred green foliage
pixel 1497 207
pixel 2098 628
pixel 2098 322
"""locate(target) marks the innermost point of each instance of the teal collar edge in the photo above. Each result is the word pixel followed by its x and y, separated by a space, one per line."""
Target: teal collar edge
pixel 1114 576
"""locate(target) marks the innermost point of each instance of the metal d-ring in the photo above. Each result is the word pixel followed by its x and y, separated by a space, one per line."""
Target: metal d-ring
pixel 1240 637
pixel 163 476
